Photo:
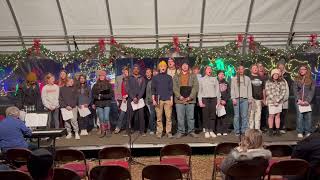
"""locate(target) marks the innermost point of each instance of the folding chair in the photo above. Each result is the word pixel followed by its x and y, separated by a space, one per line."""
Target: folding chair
pixel 248 170
pixel 178 155
pixel 160 172
pixel 65 174
pixel 13 174
pixel 18 158
pixel 115 156
pixel 290 167
pixel 73 160
pixel 221 150
pixel 113 172
pixel 279 152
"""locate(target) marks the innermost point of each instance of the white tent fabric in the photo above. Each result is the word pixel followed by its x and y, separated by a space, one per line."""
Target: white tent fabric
pixel 134 18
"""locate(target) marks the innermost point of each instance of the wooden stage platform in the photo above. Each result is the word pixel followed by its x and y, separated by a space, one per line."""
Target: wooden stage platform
pixel 93 142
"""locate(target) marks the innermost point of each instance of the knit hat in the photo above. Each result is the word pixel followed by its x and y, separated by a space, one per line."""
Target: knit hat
pixel 275 71
pixel 136 66
pixel 31 77
pixel 102 73
pixel 162 64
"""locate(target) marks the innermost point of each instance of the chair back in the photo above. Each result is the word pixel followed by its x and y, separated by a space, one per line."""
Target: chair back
pixel 110 172
pixel 248 170
pixel 120 152
pixel 224 148
pixel 18 156
pixel 11 174
pixel 68 155
pixel 290 167
pixel 65 174
pixel 280 150
pixel 160 172
pixel 176 150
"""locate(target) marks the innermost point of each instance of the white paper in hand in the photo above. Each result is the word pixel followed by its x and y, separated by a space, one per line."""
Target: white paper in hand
pixel 22 115
pixel 123 106
pixel 304 109
pixel 139 105
pixel 83 112
pixel 36 120
pixel 273 109
pixel 220 110
pixel 66 114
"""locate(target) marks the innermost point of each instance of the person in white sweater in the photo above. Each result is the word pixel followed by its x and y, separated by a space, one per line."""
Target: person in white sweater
pixel 50 99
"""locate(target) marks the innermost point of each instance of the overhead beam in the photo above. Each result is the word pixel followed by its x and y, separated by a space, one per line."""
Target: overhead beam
pixel 16 23
pixel 247 27
pixel 202 21
pixel 290 36
pixel 63 25
pixel 156 21
pixel 109 17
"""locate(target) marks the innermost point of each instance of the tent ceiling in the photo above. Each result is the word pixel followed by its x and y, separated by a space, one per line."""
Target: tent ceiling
pixel 134 22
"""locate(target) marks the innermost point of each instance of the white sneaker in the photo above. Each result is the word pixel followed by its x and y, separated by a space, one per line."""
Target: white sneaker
pixel 77 136
pixel 300 135
pixel 204 130
pixel 225 134
pixel 283 131
pixel 212 134
pixel 307 135
pixel 69 136
pixel 206 135
pixel 84 133
pixel 219 134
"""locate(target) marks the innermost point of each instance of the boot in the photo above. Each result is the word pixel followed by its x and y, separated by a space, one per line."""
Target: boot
pixel 103 130
pixel 270 132
pixel 108 127
pixel 278 132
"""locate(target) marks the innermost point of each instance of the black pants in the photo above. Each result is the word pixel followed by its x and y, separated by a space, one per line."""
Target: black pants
pixel 198 117
pixel 137 115
pixel 264 117
pixel 83 122
pixel 221 125
pixel 283 116
pixel 209 113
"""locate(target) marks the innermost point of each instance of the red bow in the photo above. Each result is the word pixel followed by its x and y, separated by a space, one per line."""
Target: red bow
pixel 313 39
pixel 239 40
pixel 36 46
pixel 102 45
pixel 113 41
pixel 251 42
pixel 176 43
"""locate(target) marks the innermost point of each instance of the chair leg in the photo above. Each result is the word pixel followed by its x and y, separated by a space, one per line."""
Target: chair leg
pixel 214 175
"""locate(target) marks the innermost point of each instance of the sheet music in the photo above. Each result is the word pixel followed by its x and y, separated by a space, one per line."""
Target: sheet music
pixel 220 110
pixel 36 120
pixel 123 106
pixel 273 109
pixel 303 109
pixel 83 112
pixel 22 115
pixel 66 114
pixel 139 105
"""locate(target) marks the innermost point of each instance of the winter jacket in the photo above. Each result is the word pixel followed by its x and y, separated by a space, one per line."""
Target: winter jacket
pixel 309 91
pixel 68 97
pixel 136 87
pixel 102 94
pixel 29 96
pixel 193 83
pixel 275 92
pixel 224 90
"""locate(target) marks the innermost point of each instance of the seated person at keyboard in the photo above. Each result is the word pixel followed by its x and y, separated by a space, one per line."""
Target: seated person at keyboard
pixel 13 131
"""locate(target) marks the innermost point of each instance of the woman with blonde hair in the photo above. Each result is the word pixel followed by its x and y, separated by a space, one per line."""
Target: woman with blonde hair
pixel 303 90
pixel 50 100
pixel 63 78
pixel 250 147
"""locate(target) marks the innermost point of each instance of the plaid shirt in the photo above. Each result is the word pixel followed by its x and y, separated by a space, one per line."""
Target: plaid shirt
pixel 275 91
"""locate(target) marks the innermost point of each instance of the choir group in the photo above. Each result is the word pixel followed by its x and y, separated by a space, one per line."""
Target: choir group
pixel 260 100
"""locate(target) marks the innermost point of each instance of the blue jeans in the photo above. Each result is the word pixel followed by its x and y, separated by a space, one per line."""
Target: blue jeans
pixel 103 114
pixel 152 121
pixel 304 122
pixel 121 118
pixel 244 105
pixel 185 110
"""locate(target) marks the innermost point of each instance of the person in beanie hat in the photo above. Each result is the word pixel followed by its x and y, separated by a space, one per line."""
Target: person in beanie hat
pixel 162 97
pixel 29 94
pixel 136 87
pixel 275 92
pixel 185 88
pixel 102 96
pixel 40 164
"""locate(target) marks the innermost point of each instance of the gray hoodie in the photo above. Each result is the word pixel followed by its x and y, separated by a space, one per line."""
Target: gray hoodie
pixel 236 156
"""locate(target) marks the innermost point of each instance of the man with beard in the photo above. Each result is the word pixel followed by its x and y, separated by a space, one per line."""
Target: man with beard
pixel 136 87
pixel 162 95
